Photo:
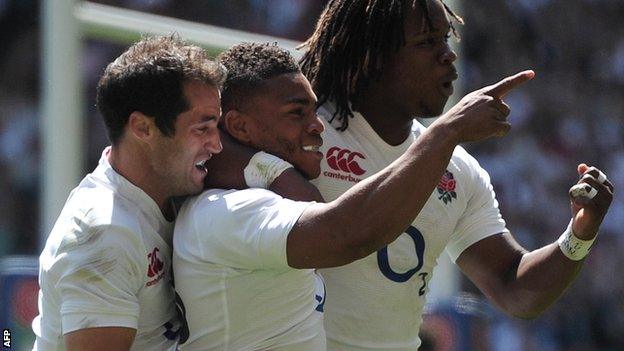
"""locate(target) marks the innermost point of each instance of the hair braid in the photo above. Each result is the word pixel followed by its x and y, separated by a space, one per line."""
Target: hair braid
pixel 351 42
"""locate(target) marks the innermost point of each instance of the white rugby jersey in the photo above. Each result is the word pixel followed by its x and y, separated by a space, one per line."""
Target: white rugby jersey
pixel 233 277
pixel 107 263
pixel 377 302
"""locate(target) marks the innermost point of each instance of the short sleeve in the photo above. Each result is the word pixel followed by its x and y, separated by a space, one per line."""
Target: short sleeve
pixel 244 229
pixel 482 217
pixel 98 281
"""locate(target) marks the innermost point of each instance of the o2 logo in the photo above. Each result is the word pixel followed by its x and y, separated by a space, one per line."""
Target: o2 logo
pixel 419 246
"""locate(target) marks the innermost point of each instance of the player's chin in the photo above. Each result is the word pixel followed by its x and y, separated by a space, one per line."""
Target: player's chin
pixel 196 183
pixel 311 170
pixel 432 109
pixel 438 107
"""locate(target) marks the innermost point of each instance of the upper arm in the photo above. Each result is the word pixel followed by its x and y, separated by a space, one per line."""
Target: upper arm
pixel 102 338
pixel 98 280
pixel 481 217
pixel 491 263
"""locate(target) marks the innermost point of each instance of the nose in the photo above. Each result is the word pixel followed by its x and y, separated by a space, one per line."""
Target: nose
pixel 213 142
pixel 316 126
pixel 447 56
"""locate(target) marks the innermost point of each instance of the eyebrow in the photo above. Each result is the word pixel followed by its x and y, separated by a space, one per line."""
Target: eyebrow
pixel 300 101
pixel 445 28
pixel 208 118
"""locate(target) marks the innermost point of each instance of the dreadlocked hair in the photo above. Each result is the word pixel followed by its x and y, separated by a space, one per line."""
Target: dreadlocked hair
pixel 351 42
pixel 249 65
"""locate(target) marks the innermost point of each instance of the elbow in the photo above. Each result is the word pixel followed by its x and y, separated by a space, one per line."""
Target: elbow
pixel 527 311
pixel 526 315
pixel 360 246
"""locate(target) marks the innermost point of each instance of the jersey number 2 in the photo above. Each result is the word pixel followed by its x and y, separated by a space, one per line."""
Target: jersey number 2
pixel 419 246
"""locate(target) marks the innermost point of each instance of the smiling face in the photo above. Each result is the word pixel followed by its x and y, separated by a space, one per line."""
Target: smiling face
pixel 178 160
pixel 418 77
pixel 281 119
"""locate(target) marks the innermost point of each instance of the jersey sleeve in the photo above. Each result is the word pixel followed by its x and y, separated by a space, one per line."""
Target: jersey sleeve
pixel 98 281
pixel 244 229
pixel 482 217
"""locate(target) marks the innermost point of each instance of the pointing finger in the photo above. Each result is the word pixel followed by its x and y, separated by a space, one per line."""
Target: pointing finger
pixel 500 89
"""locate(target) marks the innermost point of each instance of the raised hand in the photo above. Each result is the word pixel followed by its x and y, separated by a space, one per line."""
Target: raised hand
pixel 590 199
pixel 483 113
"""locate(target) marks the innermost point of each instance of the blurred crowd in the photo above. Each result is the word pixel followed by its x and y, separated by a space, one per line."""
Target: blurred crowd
pixel 572 112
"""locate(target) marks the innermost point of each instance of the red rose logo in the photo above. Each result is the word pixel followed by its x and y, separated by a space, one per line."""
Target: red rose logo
pixel 446 188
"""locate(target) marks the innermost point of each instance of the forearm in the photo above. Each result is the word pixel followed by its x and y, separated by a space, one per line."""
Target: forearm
pixel 521 283
pixel 225 169
pixel 100 338
pixel 292 185
pixel 541 277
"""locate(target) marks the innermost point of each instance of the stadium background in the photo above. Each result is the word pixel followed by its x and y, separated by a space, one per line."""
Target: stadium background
pixel 572 112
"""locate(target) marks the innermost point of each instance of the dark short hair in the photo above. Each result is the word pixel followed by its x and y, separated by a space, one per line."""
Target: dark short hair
pixel 249 65
pixel 149 78
pixel 351 42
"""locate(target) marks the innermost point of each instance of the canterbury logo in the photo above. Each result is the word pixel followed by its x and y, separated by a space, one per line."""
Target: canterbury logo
pixel 345 160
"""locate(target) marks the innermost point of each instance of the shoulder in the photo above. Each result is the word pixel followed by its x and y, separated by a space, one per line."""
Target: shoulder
pixel 463 158
pixel 218 208
pixel 467 172
pixel 101 204
pixel 229 200
pixel 96 216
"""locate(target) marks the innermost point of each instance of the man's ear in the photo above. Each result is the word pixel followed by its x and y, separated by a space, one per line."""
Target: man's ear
pixel 238 125
pixel 141 127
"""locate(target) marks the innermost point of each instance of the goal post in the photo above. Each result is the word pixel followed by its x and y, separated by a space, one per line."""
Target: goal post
pixel 126 26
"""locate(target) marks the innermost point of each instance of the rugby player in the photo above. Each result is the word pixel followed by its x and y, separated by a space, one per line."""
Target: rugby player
pixel 375 65
pixel 105 272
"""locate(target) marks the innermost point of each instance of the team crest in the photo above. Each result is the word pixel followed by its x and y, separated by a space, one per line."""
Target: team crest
pixel 446 188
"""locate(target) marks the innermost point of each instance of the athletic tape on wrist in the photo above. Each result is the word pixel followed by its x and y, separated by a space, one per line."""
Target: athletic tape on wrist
pixel 263 168
pixel 572 247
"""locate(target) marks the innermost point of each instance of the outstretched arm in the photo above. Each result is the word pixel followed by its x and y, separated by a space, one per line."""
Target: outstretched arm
pixel 525 283
pixel 377 210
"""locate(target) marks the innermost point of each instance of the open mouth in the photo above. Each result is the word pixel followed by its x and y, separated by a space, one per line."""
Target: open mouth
pixel 201 165
pixel 447 88
pixel 447 83
pixel 311 148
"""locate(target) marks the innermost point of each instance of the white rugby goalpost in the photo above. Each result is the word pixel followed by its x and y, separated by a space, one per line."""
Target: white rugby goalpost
pixel 65 23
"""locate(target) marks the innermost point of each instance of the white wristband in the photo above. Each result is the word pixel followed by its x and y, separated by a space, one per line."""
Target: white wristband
pixel 263 168
pixel 572 247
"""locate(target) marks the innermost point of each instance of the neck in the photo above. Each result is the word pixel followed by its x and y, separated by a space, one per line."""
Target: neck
pixel 130 161
pixel 387 120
